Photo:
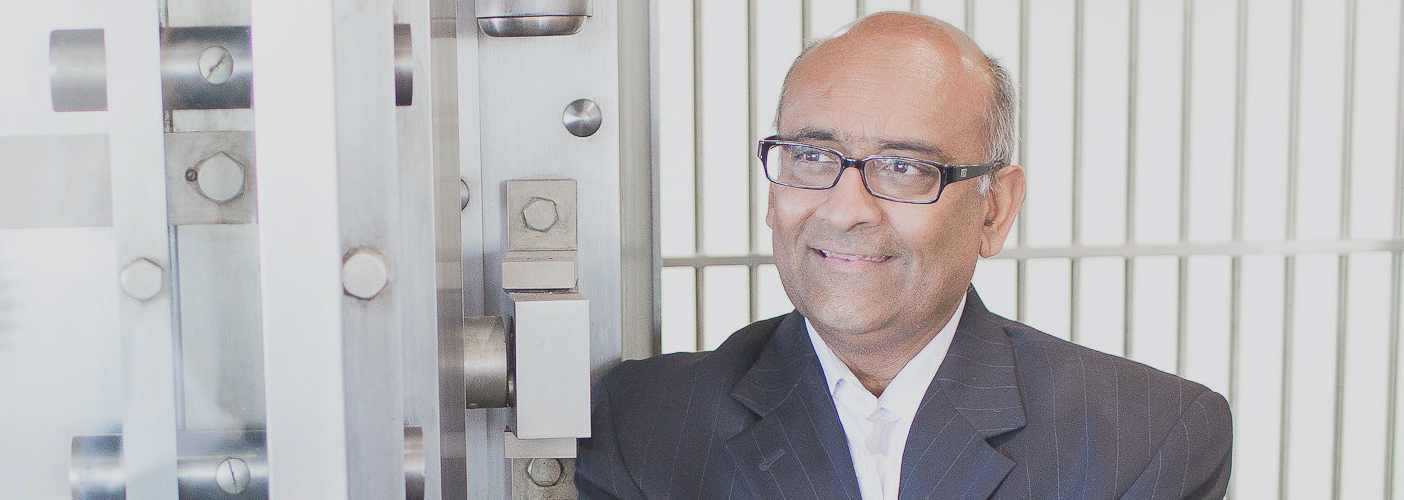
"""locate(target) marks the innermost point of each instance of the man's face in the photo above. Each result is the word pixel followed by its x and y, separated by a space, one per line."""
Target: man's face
pixel 850 262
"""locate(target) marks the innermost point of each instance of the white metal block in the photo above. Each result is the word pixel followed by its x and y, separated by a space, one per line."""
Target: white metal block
pixel 537 448
pixel 552 333
pixel 545 270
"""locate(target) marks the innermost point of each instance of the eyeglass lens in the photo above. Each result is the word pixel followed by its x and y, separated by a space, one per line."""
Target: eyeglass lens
pixel 888 176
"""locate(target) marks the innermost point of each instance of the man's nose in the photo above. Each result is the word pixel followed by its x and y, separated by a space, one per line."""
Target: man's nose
pixel 848 204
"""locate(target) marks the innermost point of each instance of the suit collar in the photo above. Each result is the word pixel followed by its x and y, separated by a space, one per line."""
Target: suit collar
pixel 797 449
pixel 798 446
pixel 978 374
pixel 974 397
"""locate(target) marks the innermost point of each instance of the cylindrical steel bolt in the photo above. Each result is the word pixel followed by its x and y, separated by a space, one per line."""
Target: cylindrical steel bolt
pixel 540 214
pixel 545 472
pixel 232 476
pixel 216 64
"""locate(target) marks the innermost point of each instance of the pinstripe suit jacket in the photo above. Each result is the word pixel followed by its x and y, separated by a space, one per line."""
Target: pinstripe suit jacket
pixel 1012 413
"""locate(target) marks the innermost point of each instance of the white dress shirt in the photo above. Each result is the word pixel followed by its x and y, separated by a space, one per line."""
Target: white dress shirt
pixel 877 427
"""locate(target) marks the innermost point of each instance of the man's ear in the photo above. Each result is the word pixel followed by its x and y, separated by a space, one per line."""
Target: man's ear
pixel 1001 205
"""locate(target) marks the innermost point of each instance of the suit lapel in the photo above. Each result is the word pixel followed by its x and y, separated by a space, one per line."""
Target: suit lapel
pixel 974 397
pixel 797 449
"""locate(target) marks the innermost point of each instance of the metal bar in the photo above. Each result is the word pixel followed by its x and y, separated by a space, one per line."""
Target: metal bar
pixel 1186 111
pixel 1392 411
pixel 142 247
pixel 805 29
pixel 1236 262
pixel 697 156
pixel 1021 267
pixel 1289 263
pixel 753 231
pixel 969 19
pixel 1186 250
pixel 914 6
pixel 699 288
pixel 860 7
pixel 1134 43
pixel 1343 263
pixel 1075 277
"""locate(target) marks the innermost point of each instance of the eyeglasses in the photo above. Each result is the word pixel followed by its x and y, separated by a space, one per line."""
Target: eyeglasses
pixel 895 178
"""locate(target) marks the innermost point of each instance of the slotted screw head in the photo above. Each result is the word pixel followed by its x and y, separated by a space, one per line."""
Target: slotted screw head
pixel 216 64
pixel 232 476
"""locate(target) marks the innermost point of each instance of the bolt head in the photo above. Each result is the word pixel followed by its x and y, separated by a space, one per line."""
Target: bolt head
pixel 142 279
pixel 540 214
pixel 220 178
pixel 364 274
pixel 545 472
pixel 232 476
pixel 216 65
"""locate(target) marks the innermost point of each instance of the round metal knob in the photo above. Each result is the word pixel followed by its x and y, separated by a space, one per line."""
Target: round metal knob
pixel 582 117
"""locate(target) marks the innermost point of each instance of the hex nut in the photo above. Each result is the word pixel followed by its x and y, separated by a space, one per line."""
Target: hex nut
pixel 364 274
pixel 142 279
pixel 545 472
pixel 220 178
pixel 232 476
pixel 540 214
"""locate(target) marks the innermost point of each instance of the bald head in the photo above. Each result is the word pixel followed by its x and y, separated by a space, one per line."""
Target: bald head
pixel 899 48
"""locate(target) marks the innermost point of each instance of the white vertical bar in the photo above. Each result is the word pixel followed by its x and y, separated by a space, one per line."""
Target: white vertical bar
pixel 1313 317
pixel 300 249
pixel 723 133
pixel 140 232
pixel 1364 381
pixel 1255 474
pixel 1050 113
pixel 679 310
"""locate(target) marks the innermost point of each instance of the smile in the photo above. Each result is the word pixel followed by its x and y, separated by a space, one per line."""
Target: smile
pixel 852 257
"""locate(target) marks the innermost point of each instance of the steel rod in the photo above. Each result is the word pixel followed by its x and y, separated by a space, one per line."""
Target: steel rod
pixel 1392 408
pixel 1236 262
pixel 1075 225
pixel 1133 42
pixel 1289 263
pixel 697 163
pixel 1021 267
pixel 1343 262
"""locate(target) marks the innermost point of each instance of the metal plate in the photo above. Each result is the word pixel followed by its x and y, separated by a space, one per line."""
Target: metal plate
pixel 184 151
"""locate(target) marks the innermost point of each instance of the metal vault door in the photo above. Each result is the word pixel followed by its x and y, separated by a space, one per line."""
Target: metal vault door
pixel 202 300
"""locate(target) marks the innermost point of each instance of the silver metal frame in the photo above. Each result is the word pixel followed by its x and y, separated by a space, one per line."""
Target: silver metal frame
pixel 140 232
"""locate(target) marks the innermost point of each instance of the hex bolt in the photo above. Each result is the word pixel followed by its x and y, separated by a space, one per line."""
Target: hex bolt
pixel 232 476
pixel 216 64
pixel 364 274
pixel 220 178
pixel 545 472
pixel 540 214
pixel 142 279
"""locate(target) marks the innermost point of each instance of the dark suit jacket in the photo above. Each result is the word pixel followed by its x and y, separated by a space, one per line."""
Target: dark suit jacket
pixel 1012 413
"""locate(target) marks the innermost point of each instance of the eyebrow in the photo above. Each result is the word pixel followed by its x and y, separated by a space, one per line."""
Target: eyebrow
pixel 930 150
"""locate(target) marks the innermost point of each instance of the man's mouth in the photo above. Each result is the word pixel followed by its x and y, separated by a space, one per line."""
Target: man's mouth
pixel 852 257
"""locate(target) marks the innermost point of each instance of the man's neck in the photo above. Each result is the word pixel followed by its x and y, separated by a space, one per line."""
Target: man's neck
pixel 877 357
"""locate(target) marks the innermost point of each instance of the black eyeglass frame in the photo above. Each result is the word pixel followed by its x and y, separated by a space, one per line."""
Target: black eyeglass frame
pixel 949 173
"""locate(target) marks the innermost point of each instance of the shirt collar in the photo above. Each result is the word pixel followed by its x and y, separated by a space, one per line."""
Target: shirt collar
pixel 904 394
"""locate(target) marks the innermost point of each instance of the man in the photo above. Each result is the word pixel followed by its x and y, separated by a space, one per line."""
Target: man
pixel 891 380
